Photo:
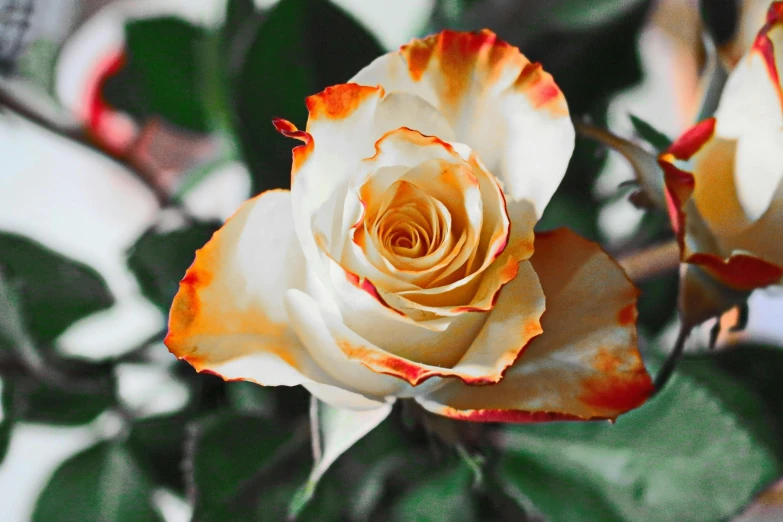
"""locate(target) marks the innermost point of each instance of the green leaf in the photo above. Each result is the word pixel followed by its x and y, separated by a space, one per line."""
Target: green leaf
pixel 159 259
pixel 158 444
pixel 758 368
pixel 230 460
pixel 443 497
pixel 7 414
pixel 101 483
pixel 249 397
pixel 301 47
pixel 54 291
pixel 721 19
pixel 163 71
pixel 578 214
pixel 650 134
pixel 46 404
pixel 585 14
pixel 688 454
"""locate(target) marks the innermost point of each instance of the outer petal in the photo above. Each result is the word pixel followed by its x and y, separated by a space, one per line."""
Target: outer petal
pixel 228 317
pixel 499 103
pixel 584 366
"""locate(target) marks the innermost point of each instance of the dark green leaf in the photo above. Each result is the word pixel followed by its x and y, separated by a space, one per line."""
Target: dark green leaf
pixel 159 259
pixel 721 19
pixel 585 14
pixel 650 134
pixel 163 71
pixel 588 66
pixel 47 404
pixel 301 47
pixel 158 444
pixel 689 454
pixel 7 414
pixel 757 367
pixel 443 497
pixel 230 459
pixel 578 214
pixel 249 397
pixel 54 291
pixel 657 303
pixel 102 483
pixel 238 13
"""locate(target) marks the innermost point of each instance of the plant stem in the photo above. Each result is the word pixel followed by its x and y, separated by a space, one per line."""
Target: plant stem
pixel 666 371
pixel 652 261
pixel 80 136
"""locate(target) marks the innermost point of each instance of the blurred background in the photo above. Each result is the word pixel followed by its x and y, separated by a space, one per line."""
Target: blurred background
pixel 130 129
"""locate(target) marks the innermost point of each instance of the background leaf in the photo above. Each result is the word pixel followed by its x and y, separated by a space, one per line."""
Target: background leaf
pixel 159 259
pixel 158 445
pixel 227 460
pixel 443 497
pixel 693 453
pixel 101 483
pixel 162 75
pixel 300 47
pixel 54 291
pixel 7 414
pixel 650 134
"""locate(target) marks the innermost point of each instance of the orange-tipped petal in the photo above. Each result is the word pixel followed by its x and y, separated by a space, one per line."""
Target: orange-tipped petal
pixel 584 366
pixel 228 317
pixel 499 103
pixel 713 228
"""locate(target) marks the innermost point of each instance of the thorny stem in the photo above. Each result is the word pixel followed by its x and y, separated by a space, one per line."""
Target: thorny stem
pixel 652 261
pixel 666 371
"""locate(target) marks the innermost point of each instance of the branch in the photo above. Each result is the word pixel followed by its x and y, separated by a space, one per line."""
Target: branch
pixel 652 261
pixel 666 371
pixel 78 135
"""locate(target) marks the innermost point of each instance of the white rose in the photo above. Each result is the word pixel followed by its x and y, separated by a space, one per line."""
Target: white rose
pixel 403 262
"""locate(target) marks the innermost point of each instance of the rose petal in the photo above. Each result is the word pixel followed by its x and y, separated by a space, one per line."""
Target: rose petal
pixel 584 366
pixel 228 317
pixel 758 170
pixel 712 227
pixel 477 291
pixel 477 347
pixel 312 324
pixel 499 103
pixel 344 123
pixel 753 97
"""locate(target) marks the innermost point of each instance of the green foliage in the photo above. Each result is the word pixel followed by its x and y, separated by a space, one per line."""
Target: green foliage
pixel 444 497
pixel 159 259
pixel 758 368
pixel 100 483
pixel 650 134
pixel 48 404
pixel 162 74
pixel 229 460
pixel 54 291
pixel 158 445
pixel 7 414
pixel 696 452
